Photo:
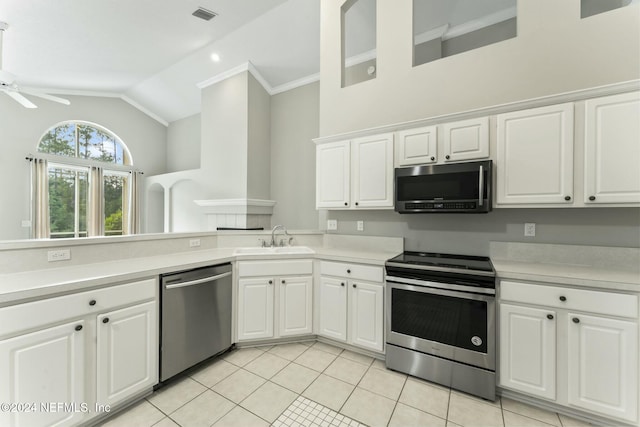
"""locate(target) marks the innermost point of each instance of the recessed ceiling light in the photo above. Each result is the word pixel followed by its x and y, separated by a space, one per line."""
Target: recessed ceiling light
pixel 215 57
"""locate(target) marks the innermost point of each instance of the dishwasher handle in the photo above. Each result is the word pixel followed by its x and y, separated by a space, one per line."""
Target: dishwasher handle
pixel 198 281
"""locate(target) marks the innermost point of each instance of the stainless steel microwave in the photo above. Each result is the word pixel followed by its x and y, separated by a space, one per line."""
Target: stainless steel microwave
pixel 449 188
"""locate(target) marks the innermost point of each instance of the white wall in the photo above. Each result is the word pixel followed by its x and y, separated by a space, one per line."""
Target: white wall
pixel 555 51
pixel 294 123
pixel 21 130
pixel 258 141
pixel 183 144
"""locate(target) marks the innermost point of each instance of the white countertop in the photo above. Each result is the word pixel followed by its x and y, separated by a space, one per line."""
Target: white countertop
pixel 31 285
pixel 567 274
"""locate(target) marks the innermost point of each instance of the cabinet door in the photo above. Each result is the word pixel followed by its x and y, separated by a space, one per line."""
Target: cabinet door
pixel 535 156
pixel 366 320
pixel 418 146
pixel 44 367
pixel 603 365
pixel 372 181
pixel 612 149
pixel 127 352
pixel 255 308
pixel 528 350
pixel 333 308
pixel 296 305
pixel 466 140
pixel 333 164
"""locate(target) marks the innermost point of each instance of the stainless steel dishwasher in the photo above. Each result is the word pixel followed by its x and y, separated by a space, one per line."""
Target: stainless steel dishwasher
pixel 195 320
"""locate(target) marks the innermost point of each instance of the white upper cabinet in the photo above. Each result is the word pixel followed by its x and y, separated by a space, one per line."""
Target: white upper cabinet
pixel 372 165
pixel 534 160
pixel 332 175
pixel 450 142
pixel 356 174
pixel 612 149
pixel 418 146
pixel 466 140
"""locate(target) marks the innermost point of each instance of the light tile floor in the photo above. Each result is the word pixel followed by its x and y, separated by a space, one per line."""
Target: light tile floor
pixel 316 384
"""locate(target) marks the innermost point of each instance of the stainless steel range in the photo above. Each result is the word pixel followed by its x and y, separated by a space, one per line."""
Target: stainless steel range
pixel 441 320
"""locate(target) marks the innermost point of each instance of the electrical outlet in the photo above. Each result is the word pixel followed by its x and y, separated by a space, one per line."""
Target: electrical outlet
pixel 194 243
pixel 529 229
pixel 332 224
pixel 360 225
pixel 59 255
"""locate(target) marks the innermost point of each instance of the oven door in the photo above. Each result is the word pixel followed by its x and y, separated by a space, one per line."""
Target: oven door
pixel 454 325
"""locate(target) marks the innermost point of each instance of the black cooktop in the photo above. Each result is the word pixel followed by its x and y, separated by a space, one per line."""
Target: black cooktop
pixel 443 261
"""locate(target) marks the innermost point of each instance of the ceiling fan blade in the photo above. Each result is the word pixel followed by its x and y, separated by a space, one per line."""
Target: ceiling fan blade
pixel 21 99
pixel 45 96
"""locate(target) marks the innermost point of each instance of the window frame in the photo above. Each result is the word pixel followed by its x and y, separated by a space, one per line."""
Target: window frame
pixel 79 164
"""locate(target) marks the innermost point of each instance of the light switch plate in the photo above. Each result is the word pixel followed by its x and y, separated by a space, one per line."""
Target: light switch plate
pixel 332 224
pixel 360 225
pixel 194 243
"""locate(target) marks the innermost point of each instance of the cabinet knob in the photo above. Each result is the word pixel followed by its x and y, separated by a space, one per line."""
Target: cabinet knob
pixel 283 282
pixel 592 198
pixel 92 302
pixel 342 284
pixel 270 282
pixel 346 204
pixel 567 198
pixel 356 203
pixel 433 158
pixel 550 316
pixel 447 157
pixel 563 298
pixel 348 271
pixel 354 285
pixel 105 320
pixel 575 320
pixel 79 328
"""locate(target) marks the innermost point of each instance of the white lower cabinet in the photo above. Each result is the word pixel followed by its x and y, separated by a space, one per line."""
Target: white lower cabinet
pixel 351 304
pixel 574 347
pixel 603 365
pixel 127 348
pixel 42 367
pixel 528 350
pixel 333 308
pixel 58 356
pixel 277 303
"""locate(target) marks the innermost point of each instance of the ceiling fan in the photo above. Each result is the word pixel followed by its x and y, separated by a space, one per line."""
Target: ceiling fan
pixel 9 86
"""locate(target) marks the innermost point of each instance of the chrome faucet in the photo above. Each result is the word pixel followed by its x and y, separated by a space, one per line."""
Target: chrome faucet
pixel 273 234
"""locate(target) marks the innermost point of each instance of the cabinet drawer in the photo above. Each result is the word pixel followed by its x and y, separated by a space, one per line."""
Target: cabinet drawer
pixel 274 268
pixel 30 315
pixel 370 273
pixel 608 303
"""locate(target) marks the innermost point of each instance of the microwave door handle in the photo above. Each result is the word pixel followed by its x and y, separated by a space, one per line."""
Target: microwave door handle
pixel 481 186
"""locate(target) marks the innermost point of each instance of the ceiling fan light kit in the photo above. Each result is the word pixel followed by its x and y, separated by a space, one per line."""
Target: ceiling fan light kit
pixel 9 86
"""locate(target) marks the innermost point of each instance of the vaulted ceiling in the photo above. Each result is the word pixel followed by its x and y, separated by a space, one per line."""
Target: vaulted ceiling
pixel 154 51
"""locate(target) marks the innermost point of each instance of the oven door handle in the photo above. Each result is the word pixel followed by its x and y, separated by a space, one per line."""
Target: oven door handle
pixel 426 286
pixel 481 186
pixel 439 290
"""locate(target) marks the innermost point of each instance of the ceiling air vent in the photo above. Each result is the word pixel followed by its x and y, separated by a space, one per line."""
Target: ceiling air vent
pixel 203 13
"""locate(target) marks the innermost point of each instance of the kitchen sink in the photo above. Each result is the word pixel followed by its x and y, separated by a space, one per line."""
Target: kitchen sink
pixel 277 250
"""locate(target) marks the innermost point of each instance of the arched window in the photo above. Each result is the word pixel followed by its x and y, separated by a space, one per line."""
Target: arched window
pixel 87 181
